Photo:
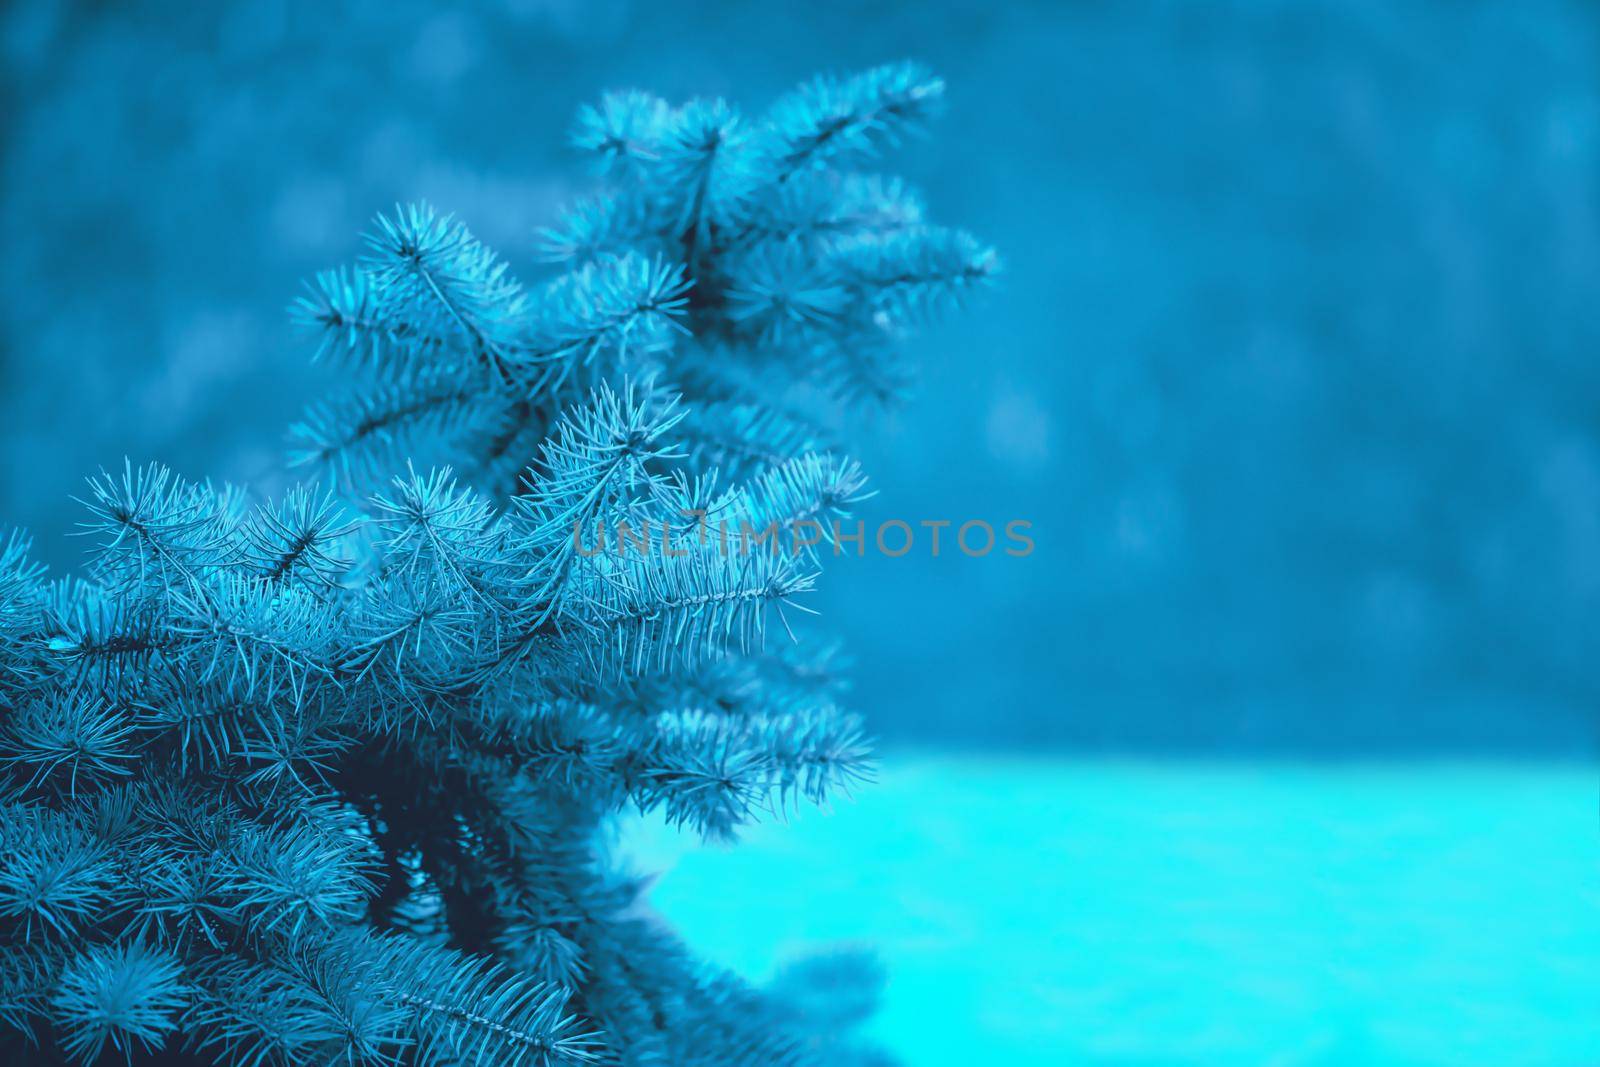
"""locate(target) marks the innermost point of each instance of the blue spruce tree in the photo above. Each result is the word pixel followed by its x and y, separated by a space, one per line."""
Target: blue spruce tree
pixel 326 779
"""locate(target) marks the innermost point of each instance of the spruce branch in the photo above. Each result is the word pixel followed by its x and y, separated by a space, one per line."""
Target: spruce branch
pixel 328 778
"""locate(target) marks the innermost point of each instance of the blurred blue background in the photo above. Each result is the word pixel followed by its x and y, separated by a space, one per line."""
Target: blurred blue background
pixel 1293 371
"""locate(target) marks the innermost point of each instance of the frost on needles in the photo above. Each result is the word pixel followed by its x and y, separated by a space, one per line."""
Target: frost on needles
pixel 326 779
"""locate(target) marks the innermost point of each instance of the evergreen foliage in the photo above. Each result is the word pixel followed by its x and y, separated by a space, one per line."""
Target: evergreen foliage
pixel 326 779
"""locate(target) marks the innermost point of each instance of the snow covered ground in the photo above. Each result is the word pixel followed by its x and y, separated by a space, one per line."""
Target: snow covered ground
pixel 1060 911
